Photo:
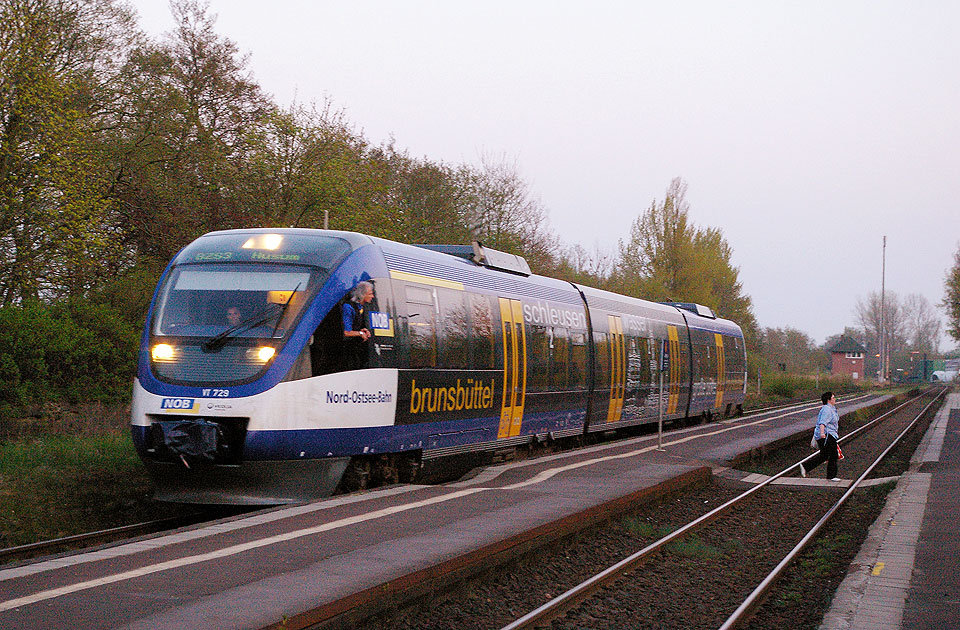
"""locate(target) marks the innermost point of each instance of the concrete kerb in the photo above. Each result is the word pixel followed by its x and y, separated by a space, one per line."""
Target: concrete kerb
pixel 350 611
pixel 873 594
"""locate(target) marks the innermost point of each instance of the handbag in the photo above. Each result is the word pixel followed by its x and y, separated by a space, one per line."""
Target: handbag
pixel 813 443
pixel 839 452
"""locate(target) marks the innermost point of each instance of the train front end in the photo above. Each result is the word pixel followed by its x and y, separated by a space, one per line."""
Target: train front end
pixel 228 330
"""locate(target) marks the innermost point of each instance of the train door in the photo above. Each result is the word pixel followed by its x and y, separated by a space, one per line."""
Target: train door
pixel 721 369
pixel 514 367
pixel 673 345
pixel 617 368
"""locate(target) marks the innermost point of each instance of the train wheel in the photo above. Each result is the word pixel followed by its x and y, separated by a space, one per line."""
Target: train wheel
pixel 409 468
pixel 384 471
pixel 356 476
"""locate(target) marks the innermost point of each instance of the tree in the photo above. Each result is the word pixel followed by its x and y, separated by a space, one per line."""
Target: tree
pixel 593 268
pixel 895 322
pixel 658 261
pixel 790 350
pixel 193 112
pixel 669 259
pixel 502 214
pixel 59 62
pixel 951 297
pixel 923 325
pixel 303 168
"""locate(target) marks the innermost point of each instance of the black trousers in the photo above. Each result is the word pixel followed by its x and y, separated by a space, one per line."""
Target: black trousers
pixel 828 453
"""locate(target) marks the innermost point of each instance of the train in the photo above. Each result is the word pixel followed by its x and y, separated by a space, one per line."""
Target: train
pixel 248 392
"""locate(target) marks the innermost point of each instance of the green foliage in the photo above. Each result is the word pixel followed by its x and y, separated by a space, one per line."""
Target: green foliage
pixel 951 297
pixel 74 352
pixel 791 349
pixel 782 385
pixel 117 150
pixel 60 485
pixel 692 546
pixel 56 61
pixel 644 529
pixel 785 385
pixel 667 258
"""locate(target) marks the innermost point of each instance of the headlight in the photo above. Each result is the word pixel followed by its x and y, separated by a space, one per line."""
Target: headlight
pixel 261 354
pixel 162 352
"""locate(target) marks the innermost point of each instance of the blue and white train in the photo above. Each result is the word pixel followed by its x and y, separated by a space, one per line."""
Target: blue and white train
pixel 244 393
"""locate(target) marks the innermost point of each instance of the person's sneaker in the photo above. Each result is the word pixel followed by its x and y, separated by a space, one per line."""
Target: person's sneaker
pixel 803 471
pixel 835 479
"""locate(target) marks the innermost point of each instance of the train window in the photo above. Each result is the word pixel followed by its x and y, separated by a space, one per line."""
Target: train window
pixel 302 367
pixel 454 330
pixel 578 361
pixel 638 369
pixel 482 333
pixel 559 352
pixel 421 322
pixel 538 351
pixel 601 342
pixel 196 299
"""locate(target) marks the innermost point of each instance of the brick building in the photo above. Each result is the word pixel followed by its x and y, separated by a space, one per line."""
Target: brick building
pixel 846 358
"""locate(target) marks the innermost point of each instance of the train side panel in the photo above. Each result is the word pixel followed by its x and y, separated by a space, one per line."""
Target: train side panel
pixel 463 359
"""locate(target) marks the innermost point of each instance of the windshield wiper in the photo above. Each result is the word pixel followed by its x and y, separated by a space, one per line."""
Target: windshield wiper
pixel 259 318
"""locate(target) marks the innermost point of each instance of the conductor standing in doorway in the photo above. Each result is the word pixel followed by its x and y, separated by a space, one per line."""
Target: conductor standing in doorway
pixel 826 434
pixel 355 331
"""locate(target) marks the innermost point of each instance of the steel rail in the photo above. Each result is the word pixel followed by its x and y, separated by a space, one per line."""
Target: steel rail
pixel 751 601
pixel 583 590
pixel 799 405
pixel 54 543
pixel 90 536
pixel 866 425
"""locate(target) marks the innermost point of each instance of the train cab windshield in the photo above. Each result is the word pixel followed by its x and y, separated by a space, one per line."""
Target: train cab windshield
pixel 208 300
pixel 231 300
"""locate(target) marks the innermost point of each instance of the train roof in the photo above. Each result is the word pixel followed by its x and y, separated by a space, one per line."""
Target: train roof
pixel 355 239
pixel 667 311
pixel 491 271
pixel 434 263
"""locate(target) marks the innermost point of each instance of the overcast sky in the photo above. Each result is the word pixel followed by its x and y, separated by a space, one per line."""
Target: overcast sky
pixel 806 131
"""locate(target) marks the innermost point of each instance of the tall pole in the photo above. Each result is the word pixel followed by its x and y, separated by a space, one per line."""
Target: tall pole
pixel 883 287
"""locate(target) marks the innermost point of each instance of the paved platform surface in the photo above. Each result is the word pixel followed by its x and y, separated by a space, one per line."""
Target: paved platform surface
pixel 907 574
pixel 291 566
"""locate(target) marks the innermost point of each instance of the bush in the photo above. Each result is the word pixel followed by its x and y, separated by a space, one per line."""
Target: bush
pixel 76 352
pixel 797 386
pixel 783 385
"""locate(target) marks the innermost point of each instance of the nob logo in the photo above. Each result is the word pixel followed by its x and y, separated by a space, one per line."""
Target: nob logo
pixel 380 320
pixel 179 404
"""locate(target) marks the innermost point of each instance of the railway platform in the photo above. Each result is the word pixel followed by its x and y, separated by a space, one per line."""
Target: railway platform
pixel 905 575
pixel 334 560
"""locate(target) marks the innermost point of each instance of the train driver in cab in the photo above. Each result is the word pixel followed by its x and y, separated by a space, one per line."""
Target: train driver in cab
pixel 234 316
pixel 356 335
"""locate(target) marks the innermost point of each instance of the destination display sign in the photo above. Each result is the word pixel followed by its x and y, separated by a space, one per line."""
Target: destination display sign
pixel 307 249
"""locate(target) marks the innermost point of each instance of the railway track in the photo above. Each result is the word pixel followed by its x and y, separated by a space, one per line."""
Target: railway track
pixel 87 539
pixel 581 594
pixel 112 534
pixel 696 580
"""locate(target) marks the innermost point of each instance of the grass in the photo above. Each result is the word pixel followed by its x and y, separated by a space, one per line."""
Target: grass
pixel 693 546
pixel 690 546
pixel 71 472
pixel 59 485
pixel 644 529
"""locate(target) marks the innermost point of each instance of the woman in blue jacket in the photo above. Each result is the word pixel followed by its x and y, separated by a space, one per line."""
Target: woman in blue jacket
pixel 826 434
